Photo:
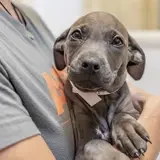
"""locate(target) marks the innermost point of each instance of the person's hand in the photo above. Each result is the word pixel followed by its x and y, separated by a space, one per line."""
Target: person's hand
pixel 150 104
pixel 150 119
pixel 139 97
pixel 137 91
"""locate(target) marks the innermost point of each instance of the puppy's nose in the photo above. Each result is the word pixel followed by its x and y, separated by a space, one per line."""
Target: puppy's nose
pixel 90 65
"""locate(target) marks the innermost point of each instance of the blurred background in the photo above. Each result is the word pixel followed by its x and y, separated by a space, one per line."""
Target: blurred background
pixel 134 14
pixel 141 18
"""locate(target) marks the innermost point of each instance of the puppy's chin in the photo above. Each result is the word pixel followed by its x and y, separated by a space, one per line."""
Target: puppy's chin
pixel 90 85
pixel 94 83
pixel 87 86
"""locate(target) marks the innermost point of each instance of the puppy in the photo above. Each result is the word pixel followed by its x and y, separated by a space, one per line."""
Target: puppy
pixel 98 52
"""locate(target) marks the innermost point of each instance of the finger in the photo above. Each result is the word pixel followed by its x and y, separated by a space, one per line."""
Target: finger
pixel 137 106
pixel 138 102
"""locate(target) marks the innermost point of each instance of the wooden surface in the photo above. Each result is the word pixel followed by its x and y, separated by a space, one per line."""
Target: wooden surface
pixel 134 14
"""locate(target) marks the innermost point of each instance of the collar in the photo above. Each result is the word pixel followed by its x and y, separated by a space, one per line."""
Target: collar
pixel 91 98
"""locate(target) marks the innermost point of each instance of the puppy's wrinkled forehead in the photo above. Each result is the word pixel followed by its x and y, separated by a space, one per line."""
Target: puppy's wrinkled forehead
pixel 100 21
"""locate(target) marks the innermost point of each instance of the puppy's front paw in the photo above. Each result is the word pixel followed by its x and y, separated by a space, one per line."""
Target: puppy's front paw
pixel 129 136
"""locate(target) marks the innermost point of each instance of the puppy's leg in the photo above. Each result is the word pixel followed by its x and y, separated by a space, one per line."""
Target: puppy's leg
pixel 101 150
pixel 125 128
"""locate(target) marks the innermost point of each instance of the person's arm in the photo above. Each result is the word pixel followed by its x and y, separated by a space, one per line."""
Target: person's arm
pixel 33 148
pixel 138 91
pixel 20 139
pixel 150 119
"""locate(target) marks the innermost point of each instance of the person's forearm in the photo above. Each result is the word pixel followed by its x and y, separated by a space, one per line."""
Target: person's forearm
pixel 150 119
pixel 34 148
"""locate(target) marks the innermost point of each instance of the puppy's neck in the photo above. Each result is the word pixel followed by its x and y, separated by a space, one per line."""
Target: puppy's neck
pixel 91 98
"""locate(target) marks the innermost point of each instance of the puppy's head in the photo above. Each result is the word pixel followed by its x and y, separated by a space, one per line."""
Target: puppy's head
pixel 98 52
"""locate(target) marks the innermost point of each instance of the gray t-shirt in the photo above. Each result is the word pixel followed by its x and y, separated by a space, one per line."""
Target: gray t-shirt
pixel 31 95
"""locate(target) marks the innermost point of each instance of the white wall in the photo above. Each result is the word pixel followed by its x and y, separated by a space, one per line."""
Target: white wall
pixel 58 14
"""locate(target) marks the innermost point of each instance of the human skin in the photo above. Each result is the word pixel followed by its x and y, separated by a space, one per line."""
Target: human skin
pixel 150 119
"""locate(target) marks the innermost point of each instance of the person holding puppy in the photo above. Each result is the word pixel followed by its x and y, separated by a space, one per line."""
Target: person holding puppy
pixel 34 119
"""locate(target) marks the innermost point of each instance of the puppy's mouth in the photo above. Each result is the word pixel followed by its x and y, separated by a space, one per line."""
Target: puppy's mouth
pixel 91 82
pixel 87 86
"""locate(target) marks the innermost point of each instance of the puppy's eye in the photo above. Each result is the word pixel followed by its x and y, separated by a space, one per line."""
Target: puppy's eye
pixel 117 41
pixel 76 35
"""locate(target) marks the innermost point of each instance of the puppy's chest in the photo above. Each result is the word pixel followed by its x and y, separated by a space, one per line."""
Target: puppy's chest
pixel 90 121
pixel 94 119
pixel 102 107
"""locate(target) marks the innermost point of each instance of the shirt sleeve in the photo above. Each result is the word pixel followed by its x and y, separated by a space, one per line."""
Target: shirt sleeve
pixel 15 122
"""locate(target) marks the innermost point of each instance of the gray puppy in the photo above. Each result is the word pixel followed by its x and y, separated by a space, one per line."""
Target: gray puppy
pixel 98 52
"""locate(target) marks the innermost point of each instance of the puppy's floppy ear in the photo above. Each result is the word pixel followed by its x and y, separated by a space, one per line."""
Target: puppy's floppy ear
pixel 136 64
pixel 58 50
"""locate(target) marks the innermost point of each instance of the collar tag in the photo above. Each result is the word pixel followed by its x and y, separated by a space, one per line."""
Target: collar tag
pixel 90 97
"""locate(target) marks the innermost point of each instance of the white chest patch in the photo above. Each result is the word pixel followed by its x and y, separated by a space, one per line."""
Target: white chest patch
pixel 104 136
